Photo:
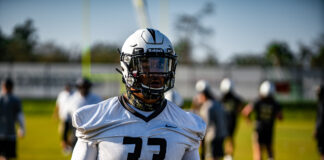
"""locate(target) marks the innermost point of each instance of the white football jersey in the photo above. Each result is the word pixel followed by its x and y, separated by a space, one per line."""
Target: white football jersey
pixel 61 101
pixel 77 101
pixel 113 130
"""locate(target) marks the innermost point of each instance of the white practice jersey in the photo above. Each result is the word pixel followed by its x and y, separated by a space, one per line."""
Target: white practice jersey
pixel 61 102
pixel 77 101
pixel 113 130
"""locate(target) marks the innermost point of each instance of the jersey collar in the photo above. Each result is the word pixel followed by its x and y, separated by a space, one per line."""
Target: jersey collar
pixel 155 113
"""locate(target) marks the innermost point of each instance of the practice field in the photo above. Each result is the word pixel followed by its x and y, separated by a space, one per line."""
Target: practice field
pixel 293 136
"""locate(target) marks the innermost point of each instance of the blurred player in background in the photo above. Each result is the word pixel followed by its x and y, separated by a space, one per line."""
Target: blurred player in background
pixel 213 114
pixel 61 112
pixel 232 105
pixel 10 114
pixel 140 124
pixel 82 97
pixel 319 130
pixel 173 96
pixel 267 109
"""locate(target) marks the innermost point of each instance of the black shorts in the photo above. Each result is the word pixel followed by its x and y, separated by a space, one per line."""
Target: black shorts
pixel 66 129
pixel 8 148
pixel 320 143
pixel 231 128
pixel 265 137
pixel 217 147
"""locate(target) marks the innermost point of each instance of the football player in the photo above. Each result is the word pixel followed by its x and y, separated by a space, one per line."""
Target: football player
pixel 267 109
pixel 140 124
pixel 82 97
pixel 232 105
pixel 213 114
pixel 11 113
pixel 61 112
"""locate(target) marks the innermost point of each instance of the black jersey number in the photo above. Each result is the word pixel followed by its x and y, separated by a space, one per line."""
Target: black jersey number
pixel 138 147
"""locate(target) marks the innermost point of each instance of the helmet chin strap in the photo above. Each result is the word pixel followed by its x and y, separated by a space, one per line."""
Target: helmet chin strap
pixel 139 104
pixel 148 94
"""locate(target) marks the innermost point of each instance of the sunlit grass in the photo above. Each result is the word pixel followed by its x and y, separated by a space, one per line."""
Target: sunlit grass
pixel 293 136
pixel 292 139
pixel 42 141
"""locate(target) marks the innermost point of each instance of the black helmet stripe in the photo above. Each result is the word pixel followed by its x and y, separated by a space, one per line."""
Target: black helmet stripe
pixel 152 33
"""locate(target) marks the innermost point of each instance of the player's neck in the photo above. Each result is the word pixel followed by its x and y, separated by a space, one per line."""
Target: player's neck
pixel 143 105
pixel 147 101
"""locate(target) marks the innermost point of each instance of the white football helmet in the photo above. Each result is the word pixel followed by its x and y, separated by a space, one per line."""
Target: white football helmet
pixel 226 86
pixel 266 89
pixel 145 55
pixel 202 86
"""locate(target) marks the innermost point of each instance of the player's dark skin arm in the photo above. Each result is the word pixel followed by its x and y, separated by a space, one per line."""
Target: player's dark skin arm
pixel 241 107
pixel 55 112
pixel 246 112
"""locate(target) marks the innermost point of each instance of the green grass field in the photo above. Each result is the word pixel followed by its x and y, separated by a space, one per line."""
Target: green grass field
pixel 293 136
pixel 42 141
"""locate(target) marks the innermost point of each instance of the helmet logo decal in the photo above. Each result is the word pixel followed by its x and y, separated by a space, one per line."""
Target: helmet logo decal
pixel 151 36
pixel 152 33
pixel 158 50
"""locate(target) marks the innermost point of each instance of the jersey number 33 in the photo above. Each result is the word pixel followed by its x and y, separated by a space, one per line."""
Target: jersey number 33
pixel 137 141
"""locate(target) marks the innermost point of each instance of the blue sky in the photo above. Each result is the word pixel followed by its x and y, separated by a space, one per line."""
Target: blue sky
pixel 239 26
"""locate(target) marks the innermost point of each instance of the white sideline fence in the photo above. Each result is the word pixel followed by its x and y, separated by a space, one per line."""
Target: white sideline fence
pixel 47 80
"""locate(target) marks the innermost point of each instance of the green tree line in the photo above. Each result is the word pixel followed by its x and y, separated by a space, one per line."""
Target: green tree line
pixel 23 46
pixel 278 53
